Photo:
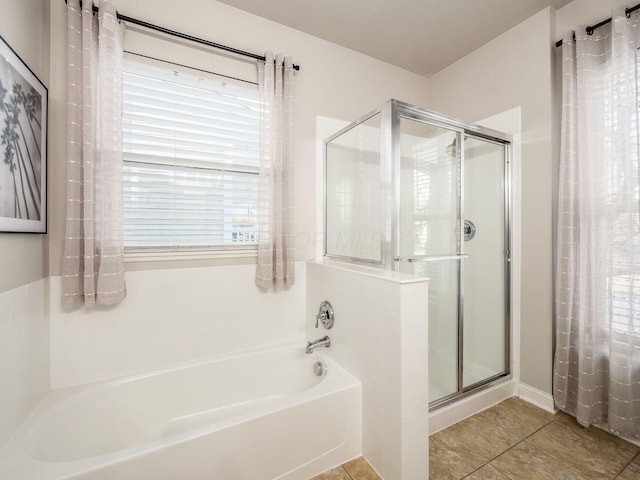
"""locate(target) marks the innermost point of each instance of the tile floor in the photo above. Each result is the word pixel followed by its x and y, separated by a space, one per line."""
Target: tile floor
pixel 358 469
pixel 518 441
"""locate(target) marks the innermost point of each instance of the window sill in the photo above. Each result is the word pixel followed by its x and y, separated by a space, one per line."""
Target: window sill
pixel 159 255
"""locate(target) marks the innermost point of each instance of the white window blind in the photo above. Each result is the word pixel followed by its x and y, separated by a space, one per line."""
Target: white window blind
pixel 191 160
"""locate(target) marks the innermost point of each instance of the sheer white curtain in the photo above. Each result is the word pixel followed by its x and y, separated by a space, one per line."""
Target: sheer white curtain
pixel 275 205
pixel 597 361
pixel 93 265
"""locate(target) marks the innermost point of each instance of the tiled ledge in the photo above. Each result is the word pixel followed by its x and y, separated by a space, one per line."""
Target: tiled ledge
pixel 379 273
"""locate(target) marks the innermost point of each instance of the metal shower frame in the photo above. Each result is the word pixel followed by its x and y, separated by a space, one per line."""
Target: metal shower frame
pixel 391 112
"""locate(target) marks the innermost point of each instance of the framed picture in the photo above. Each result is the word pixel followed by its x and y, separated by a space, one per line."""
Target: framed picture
pixel 23 146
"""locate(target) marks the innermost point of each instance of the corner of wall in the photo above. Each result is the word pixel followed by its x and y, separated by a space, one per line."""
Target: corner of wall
pixel 536 397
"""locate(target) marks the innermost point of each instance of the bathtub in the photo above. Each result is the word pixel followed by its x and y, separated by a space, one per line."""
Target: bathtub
pixel 259 415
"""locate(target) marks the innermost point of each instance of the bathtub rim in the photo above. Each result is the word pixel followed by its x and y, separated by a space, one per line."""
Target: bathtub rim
pixel 15 452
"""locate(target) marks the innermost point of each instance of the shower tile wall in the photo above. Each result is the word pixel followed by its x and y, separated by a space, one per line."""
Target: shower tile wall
pixel 380 336
pixel 24 354
pixel 172 316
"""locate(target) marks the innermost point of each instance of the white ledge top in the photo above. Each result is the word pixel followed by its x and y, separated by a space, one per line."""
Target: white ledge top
pixel 387 275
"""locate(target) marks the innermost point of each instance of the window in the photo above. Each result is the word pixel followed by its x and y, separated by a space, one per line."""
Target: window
pixel 191 160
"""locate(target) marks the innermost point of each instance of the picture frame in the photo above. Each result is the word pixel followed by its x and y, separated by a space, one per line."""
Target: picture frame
pixel 23 145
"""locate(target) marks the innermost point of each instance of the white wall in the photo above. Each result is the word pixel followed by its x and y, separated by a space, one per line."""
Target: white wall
pixel 515 70
pixel 24 349
pixel 169 317
pixel 24 25
pixel 24 354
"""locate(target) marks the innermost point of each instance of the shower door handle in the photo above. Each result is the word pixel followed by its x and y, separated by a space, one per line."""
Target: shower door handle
pixel 431 259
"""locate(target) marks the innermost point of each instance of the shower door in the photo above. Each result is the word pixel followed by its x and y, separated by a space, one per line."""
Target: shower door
pixel 485 352
pixel 429 240
pixel 451 206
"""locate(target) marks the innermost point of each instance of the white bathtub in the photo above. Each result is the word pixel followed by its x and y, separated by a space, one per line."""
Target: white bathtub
pixel 260 415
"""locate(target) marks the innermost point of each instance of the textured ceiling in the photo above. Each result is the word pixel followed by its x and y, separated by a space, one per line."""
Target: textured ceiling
pixel 422 36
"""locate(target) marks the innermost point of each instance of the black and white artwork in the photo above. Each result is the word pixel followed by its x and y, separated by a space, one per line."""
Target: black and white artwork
pixel 23 146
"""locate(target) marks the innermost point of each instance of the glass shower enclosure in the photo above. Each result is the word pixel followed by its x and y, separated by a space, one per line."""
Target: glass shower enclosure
pixel 413 191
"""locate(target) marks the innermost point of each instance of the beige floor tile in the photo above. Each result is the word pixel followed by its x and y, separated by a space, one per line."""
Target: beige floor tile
pixel 486 473
pixel 338 473
pixel 484 435
pixel 555 448
pixel 359 469
pixel 605 439
pixel 450 459
pixel 525 462
pixel 578 451
pixel 631 471
pixel 519 417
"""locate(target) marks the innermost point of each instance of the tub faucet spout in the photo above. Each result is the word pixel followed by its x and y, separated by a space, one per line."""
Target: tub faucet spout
pixel 321 342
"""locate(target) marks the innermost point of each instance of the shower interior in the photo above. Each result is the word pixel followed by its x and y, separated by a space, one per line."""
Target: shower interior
pixel 412 191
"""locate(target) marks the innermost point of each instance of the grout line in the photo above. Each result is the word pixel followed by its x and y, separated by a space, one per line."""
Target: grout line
pixel 561 462
pixel 500 454
pixel 501 472
pixel 347 471
pixel 547 453
pixel 511 447
pixel 637 455
pixel 474 471
pixel 533 433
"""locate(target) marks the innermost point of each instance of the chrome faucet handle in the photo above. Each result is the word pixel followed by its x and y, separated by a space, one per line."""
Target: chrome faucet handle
pixel 322 316
pixel 325 315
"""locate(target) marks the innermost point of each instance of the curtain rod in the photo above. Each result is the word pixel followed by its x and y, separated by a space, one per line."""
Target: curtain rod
pixel 185 36
pixel 627 11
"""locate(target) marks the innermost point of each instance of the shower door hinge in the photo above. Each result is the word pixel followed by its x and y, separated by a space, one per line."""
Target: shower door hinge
pixel 508 256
